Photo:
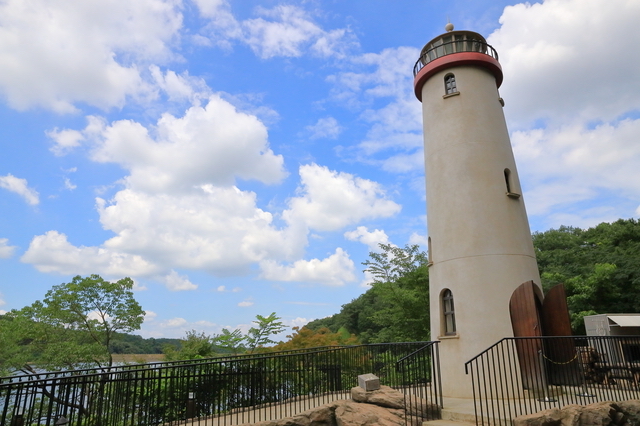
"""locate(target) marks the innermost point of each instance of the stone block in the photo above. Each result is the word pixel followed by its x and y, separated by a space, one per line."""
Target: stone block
pixel 369 382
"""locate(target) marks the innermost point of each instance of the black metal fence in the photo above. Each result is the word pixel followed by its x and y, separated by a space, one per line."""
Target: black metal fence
pixel 421 384
pixel 519 376
pixel 219 391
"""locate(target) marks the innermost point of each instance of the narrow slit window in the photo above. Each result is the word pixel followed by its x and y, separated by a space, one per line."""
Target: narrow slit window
pixel 448 313
pixel 511 190
pixel 450 84
pixel 507 179
pixel 429 251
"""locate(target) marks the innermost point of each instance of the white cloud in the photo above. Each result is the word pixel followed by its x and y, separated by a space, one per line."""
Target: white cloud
pixel 6 251
pixel 335 270
pixel 421 240
pixel 284 30
pixel 2 302
pixel 567 59
pixel 69 185
pixel 216 229
pixel 325 128
pixel 333 200
pixel 64 140
pixel 54 54
pixel 176 282
pixel 394 140
pixel 372 239
pixel 175 322
pixel 179 87
pixel 149 316
pixel 20 187
pixel 245 303
pixel 296 322
pixel 221 288
pixel 573 163
pixel 208 145
pixel 52 252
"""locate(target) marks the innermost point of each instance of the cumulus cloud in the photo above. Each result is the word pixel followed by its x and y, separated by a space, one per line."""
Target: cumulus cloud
pixel 570 164
pixel 52 252
pixel 177 282
pixel 332 200
pixel 245 303
pixel 335 270
pixel 55 54
pixel 282 31
pixel 20 187
pixel 546 47
pixel 325 128
pixel 214 144
pixel 372 239
pixel 6 251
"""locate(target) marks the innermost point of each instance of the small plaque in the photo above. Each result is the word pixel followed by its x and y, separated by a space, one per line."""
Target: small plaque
pixel 369 382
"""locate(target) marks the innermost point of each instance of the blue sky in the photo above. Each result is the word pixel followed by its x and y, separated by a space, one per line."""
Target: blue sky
pixel 242 158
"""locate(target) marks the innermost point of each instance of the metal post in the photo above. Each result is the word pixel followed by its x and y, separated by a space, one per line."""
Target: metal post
pixel 545 384
pixel 191 405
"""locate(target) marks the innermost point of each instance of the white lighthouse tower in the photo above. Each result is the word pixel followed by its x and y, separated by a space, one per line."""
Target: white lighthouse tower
pixel 480 247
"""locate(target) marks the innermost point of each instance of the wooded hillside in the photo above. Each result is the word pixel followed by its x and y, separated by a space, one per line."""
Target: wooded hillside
pixel 599 266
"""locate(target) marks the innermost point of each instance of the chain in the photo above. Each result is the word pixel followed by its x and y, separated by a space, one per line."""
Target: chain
pixel 560 363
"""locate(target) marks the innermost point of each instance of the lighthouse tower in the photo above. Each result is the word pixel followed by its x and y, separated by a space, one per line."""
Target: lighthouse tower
pixel 480 247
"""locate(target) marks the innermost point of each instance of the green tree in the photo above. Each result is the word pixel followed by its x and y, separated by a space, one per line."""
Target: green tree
pixel 194 346
pixel 396 307
pixel 260 335
pixel 73 325
pixel 599 266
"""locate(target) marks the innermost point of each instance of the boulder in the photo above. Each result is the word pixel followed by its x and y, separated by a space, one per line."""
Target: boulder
pixel 551 417
pixel 632 411
pixel 384 397
pixel 606 413
pixel 358 414
pixel 381 407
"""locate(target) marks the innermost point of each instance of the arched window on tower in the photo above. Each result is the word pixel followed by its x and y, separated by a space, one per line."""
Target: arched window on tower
pixel 450 84
pixel 511 190
pixel 448 313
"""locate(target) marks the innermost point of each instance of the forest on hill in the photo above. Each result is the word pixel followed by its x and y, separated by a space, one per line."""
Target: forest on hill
pixel 599 266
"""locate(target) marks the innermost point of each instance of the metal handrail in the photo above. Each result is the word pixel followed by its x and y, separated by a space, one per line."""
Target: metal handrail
pixel 239 390
pixel 523 375
pixel 451 47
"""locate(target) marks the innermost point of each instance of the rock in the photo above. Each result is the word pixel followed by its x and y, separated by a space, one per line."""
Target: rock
pixel 598 414
pixel 384 397
pixel 606 413
pixel 632 411
pixel 570 415
pixel 551 417
pixel 357 414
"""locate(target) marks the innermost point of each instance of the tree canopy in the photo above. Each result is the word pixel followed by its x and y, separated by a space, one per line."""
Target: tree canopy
pixel 73 325
pixel 396 307
pixel 599 266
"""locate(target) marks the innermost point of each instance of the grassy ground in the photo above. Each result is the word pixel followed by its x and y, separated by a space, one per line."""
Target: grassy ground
pixel 137 358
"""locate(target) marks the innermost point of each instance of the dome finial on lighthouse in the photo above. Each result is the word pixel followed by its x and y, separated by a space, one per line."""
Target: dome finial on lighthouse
pixel 449 26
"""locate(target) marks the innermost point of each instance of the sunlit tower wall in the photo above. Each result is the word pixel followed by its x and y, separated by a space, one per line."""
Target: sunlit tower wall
pixel 480 246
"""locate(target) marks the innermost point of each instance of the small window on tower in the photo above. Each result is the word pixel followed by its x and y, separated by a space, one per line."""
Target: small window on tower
pixel 448 313
pixel 511 191
pixel 450 84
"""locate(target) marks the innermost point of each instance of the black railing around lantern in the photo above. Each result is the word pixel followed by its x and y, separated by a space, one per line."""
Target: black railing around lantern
pixel 451 47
